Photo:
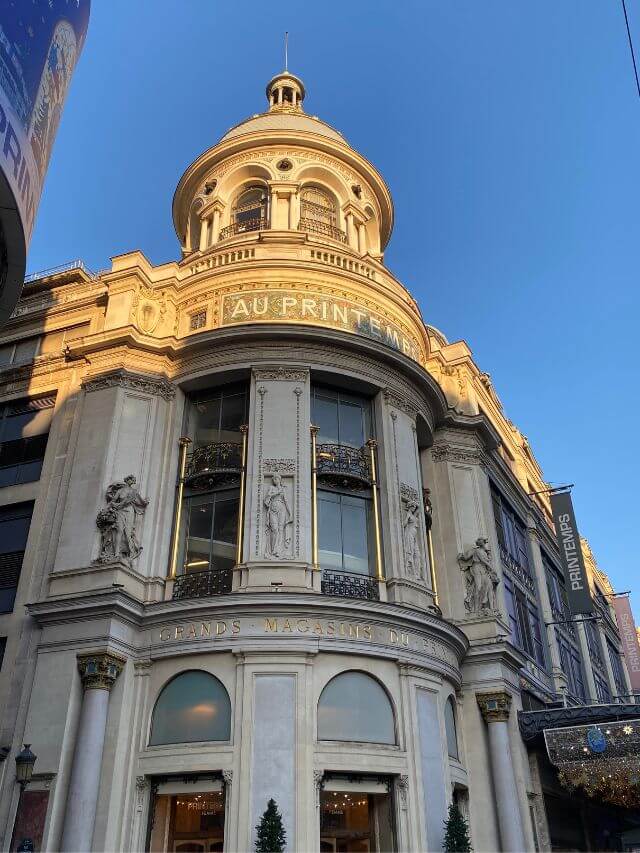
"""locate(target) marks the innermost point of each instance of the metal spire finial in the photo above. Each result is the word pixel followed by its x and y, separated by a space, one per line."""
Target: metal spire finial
pixel 286 51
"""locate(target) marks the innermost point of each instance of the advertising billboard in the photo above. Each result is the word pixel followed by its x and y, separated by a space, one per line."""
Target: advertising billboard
pixel 40 42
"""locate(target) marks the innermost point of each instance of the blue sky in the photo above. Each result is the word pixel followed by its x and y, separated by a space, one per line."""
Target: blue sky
pixel 509 134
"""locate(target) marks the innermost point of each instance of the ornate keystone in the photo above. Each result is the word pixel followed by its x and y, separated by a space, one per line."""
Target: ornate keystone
pixel 99 671
pixel 495 707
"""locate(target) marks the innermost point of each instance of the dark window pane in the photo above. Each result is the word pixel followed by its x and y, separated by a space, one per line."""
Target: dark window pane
pixel 26 350
pixel 450 728
pixel 13 534
pixel 325 416
pixel 225 524
pixel 352 424
pixel 6 355
pixel 13 427
pixel 233 414
pixel 199 535
pixel 329 531
pixel 29 472
pixel 207 421
pixel 8 475
pixel 193 707
pixel 355 535
pixel 7 599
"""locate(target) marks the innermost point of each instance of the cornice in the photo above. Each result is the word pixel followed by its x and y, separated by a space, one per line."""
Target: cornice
pixel 158 386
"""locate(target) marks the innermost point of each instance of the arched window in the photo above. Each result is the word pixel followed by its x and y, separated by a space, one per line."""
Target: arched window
pixel 450 728
pixel 318 213
pixel 250 210
pixel 193 706
pixel 354 706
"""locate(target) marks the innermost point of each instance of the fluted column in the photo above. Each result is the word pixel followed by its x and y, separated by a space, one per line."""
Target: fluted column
pixel 495 708
pixel 204 234
pixel 98 673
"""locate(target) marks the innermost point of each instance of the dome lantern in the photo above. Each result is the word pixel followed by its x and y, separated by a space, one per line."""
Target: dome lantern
pixel 285 93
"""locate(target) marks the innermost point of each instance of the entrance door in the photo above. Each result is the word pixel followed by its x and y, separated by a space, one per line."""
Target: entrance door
pixel 189 823
pixel 355 822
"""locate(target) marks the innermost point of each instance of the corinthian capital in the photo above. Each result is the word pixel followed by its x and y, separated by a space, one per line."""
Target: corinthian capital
pixel 99 670
pixel 495 706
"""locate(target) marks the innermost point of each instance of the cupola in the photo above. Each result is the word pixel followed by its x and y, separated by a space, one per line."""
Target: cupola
pixel 285 93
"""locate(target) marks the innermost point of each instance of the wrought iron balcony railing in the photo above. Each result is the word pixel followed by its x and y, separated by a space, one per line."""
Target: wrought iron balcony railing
pixel 214 464
pixel 341 465
pixel 350 585
pixel 202 584
pixel 257 224
pixel 518 570
pixel 315 226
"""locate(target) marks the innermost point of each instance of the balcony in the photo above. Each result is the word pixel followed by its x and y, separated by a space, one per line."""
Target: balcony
pixel 258 223
pixel 315 226
pixel 350 585
pixel 202 584
pixel 520 572
pixel 219 463
pixel 343 466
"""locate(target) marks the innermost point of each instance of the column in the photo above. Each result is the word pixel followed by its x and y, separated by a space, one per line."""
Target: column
pixel 204 234
pixel 495 709
pixel 362 238
pixel 215 228
pixel 98 673
pixel 351 235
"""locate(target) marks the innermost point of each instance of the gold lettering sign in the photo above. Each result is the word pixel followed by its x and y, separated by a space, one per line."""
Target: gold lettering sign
pixel 289 626
pixel 317 309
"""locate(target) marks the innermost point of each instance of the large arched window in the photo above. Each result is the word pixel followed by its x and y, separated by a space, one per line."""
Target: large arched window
pixel 450 728
pixel 250 210
pixel 318 213
pixel 193 706
pixel 354 706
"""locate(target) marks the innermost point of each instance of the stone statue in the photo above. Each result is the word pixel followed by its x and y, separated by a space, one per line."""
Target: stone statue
pixel 480 577
pixel 278 518
pixel 411 527
pixel 118 522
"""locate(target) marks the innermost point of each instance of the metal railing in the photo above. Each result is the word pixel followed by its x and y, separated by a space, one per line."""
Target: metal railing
pixel 344 465
pixel 350 585
pixel 316 226
pixel 202 584
pixel 213 464
pixel 70 265
pixel 257 224
pixel 518 570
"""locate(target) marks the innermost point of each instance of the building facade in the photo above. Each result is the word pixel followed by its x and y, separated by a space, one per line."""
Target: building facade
pixel 266 534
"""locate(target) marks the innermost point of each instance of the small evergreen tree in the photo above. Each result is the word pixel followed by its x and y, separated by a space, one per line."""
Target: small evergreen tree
pixel 456 839
pixel 271 836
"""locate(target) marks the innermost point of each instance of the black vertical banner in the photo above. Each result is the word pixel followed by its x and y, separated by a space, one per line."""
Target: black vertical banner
pixel 575 574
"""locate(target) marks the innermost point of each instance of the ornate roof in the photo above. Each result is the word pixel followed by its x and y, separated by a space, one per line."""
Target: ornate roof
pixel 296 121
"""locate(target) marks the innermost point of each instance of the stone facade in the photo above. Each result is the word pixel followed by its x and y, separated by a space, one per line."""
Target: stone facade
pixel 107 612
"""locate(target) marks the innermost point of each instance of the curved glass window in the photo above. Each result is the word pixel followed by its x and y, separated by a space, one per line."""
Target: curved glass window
pixel 194 706
pixel 354 706
pixel 450 728
pixel 318 213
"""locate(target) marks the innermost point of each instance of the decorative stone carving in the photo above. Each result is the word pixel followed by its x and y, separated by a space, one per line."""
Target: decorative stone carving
pixel 99 671
pixel 282 373
pixel 480 578
pixel 227 777
pixel 402 786
pixel 142 786
pixel 411 537
pixel 118 522
pixel 394 399
pixel 148 309
pixel 278 519
pixel 494 706
pixel 318 779
pixel 271 466
pixel 132 381
pixel 408 493
pixel 449 453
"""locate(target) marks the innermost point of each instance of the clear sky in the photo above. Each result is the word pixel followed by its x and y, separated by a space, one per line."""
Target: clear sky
pixel 509 134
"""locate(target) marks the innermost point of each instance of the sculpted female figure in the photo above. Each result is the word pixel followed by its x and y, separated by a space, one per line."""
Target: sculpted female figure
pixel 481 578
pixel 278 517
pixel 119 521
pixel 411 544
